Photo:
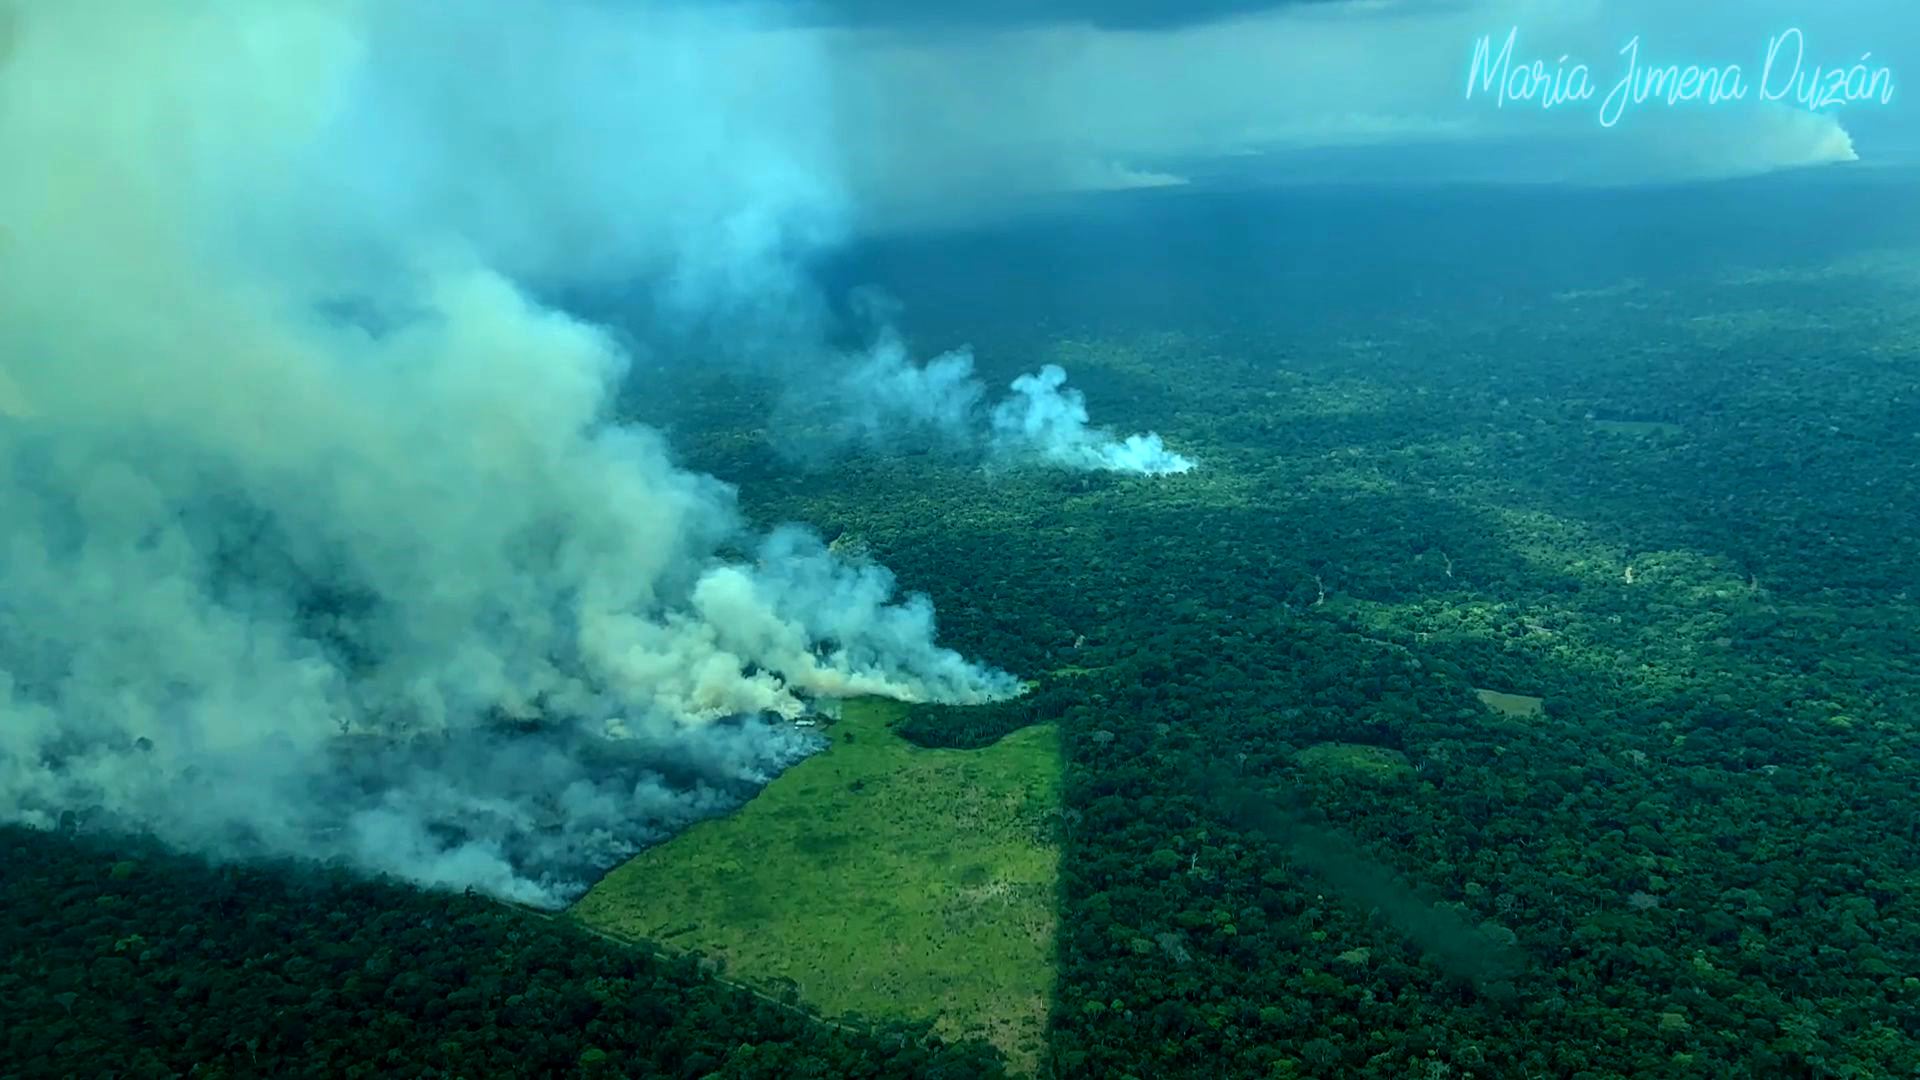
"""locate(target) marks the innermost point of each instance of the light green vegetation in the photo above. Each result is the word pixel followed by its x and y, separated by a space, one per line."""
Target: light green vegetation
pixel 1356 758
pixel 1511 704
pixel 875 878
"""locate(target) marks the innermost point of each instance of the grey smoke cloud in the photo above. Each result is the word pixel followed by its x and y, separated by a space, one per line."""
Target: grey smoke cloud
pixel 319 537
pixel 885 395
pixel 885 399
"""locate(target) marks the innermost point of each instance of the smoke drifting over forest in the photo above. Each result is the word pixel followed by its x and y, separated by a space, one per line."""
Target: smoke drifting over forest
pixel 318 537
pixel 883 399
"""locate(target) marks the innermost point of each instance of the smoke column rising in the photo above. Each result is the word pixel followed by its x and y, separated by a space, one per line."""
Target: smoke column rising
pixel 1053 423
pixel 317 537
pixel 885 399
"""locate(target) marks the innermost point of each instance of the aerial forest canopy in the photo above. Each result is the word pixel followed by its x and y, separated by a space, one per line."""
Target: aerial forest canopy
pixel 531 543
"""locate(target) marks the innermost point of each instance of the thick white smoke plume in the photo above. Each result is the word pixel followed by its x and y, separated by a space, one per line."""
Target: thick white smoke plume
pixel 315 535
pixel 885 399
pixel 1053 422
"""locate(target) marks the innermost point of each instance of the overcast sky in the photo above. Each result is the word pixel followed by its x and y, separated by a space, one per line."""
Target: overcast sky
pixel 942 106
pixel 597 138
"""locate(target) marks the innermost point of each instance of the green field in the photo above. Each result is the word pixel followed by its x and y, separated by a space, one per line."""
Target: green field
pixel 1511 704
pixel 875 878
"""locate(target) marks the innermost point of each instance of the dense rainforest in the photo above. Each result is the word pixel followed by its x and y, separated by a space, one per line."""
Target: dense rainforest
pixel 1298 841
pixel 1682 514
pixel 126 960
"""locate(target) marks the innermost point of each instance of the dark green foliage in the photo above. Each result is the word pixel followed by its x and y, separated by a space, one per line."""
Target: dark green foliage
pixel 159 965
pixel 1696 862
pixel 1685 514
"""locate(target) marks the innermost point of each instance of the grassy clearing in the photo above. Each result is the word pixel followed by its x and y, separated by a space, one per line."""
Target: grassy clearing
pixel 1511 704
pixel 1373 761
pixel 876 878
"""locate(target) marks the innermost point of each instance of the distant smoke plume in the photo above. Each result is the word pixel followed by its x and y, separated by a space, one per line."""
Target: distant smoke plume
pixel 886 400
pixel 317 537
pixel 1053 423
pixel 884 397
